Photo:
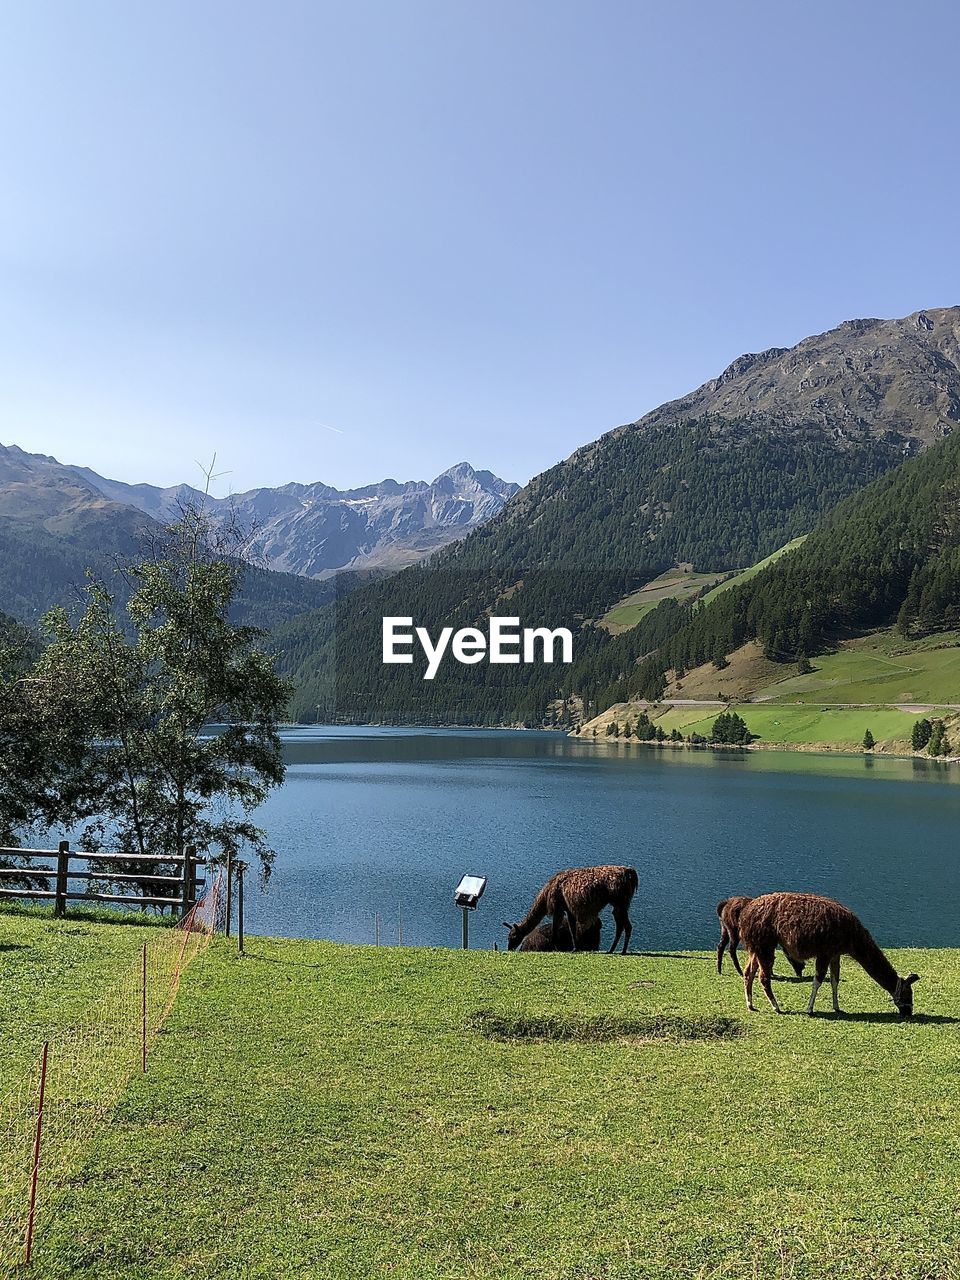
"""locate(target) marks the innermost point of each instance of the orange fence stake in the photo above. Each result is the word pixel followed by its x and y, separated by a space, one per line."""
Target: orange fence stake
pixel 36 1150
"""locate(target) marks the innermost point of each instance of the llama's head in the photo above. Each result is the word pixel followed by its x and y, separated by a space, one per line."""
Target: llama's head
pixel 903 994
pixel 515 935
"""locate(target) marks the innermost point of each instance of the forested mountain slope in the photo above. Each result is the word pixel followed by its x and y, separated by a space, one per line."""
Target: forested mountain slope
pixel 890 553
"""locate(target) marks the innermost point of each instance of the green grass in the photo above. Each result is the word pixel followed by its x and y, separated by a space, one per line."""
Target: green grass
pixel 791 725
pixel 325 1111
pixel 676 584
pixel 746 574
pixel 51 971
pixel 882 667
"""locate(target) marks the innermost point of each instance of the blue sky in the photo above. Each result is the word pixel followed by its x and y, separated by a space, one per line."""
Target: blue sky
pixel 343 242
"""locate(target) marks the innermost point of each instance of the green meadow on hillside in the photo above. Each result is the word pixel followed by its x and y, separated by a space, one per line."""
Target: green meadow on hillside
pixel 316 1110
pixel 881 667
pixel 802 725
pixel 675 584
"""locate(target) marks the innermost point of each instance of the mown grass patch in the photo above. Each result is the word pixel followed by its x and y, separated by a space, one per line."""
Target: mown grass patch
pixel 599 1030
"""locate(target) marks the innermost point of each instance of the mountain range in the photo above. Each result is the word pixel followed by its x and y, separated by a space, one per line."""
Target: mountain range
pixel 312 530
pixel 716 480
pixel 777 446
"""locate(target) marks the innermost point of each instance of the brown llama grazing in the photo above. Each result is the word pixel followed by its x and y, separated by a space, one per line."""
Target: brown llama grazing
pixel 814 928
pixel 580 894
pixel 551 937
pixel 729 913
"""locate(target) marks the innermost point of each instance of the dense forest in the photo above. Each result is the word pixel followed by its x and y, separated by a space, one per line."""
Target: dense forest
pixel 39 570
pixel 718 492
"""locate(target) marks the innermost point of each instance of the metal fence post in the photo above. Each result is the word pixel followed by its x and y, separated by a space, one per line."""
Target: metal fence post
pixel 63 868
pixel 35 1171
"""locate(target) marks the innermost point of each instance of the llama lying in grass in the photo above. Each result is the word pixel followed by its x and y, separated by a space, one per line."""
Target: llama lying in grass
pixel 579 894
pixel 729 912
pixel 814 928
pixel 551 937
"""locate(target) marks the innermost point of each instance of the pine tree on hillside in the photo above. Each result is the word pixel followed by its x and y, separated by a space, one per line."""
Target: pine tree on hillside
pixel 868 741
pixel 922 729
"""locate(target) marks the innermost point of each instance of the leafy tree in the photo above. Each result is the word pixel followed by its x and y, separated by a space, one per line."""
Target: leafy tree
pixel 935 743
pixel 804 665
pixel 167 712
pixel 868 741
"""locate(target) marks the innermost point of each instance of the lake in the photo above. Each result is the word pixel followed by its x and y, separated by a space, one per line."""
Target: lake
pixel 387 820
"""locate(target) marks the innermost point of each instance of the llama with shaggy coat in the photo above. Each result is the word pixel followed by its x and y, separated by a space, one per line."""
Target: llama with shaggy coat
pixel 729 912
pixel 550 936
pixel 810 927
pixel 578 895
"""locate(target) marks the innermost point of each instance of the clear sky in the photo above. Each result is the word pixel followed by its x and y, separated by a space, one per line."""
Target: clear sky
pixel 347 241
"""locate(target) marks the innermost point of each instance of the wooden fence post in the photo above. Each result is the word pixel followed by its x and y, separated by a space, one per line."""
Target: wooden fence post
pixel 35 1170
pixel 63 867
pixel 241 868
pixel 189 879
pixel 229 902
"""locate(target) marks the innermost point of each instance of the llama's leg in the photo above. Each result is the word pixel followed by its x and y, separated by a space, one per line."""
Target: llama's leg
pixel 734 943
pixel 624 928
pixel 560 912
pixel 835 983
pixel 748 976
pixel 724 939
pixel 818 977
pixel 766 973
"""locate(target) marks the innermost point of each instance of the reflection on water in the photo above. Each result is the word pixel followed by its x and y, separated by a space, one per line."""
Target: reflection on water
pixel 386 820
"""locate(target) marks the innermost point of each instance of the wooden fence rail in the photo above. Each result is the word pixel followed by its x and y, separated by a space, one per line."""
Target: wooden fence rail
pixel 185 880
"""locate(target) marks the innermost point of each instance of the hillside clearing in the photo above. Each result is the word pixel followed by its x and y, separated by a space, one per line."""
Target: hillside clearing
pixel 676 584
pixel 330 1111
pixel 746 574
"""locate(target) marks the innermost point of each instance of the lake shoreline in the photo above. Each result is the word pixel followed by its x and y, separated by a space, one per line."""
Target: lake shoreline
pixel 800 748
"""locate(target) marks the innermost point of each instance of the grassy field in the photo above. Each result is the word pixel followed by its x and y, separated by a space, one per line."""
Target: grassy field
pixel 676 584
pixel 316 1110
pixel 791 725
pixel 52 970
pixel 881 667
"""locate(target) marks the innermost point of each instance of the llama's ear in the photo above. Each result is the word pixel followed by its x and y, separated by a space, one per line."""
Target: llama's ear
pixel 506 924
pixel 910 979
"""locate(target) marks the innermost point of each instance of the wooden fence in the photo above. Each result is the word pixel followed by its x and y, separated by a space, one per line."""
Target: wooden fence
pixel 60 877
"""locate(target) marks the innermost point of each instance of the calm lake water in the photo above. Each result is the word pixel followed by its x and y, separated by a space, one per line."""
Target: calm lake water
pixel 387 820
